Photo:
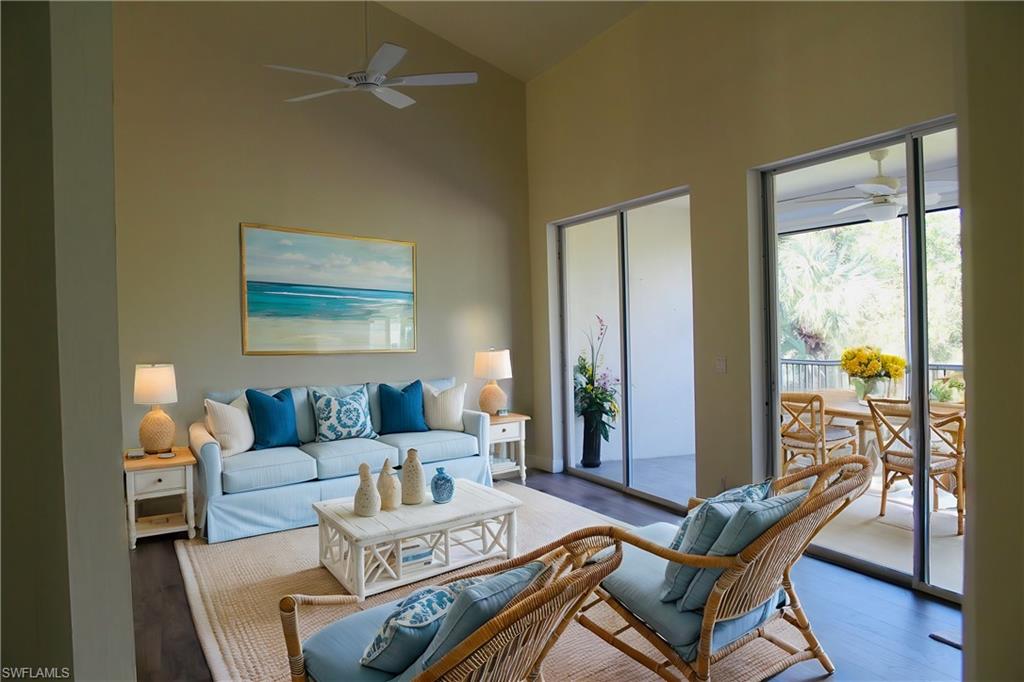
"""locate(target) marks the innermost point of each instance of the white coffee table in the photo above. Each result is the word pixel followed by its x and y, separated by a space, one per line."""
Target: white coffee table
pixel 364 553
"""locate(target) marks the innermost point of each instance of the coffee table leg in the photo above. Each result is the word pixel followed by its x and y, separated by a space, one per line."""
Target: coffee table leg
pixel 510 536
pixel 359 571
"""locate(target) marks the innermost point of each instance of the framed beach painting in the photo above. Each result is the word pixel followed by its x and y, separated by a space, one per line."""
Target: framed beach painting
pixel 306 292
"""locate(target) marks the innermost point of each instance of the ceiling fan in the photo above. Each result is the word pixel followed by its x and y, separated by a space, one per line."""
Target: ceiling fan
pixel 374 78
pixel 881 198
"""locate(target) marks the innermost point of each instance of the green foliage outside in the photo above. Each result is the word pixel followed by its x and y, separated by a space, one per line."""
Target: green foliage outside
pixel 843 287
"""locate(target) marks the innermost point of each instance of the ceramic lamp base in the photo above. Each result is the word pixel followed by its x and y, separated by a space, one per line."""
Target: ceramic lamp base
pixel 492 398
pixel 156 432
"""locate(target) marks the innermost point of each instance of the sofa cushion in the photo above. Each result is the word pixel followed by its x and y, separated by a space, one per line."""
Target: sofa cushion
pixel 333 652
pixel 746 525
pixel 374 391
pixel 342 457
pixel 401 411
pixel 340 418
pixel 434 446
pixel 230 425
pixel 266 468
pixel 305 425
pixel 637 580
pixel 443 409
pixel 273 419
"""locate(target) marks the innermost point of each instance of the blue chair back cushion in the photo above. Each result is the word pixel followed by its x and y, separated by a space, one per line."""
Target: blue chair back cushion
pixel 273 419
pixel 699 530
pixel 747 524
pixel 401 410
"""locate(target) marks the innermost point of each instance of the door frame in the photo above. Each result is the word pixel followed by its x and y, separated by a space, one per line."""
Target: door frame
pixel 569 415
pixel 917 310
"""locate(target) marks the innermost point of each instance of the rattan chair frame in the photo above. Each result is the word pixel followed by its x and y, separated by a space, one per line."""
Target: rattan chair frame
pixel 949 429
pixel 513 644
pixel 749 579
pixel 803 419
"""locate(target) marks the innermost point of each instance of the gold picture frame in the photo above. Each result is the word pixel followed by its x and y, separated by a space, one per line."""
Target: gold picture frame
pixel 310 292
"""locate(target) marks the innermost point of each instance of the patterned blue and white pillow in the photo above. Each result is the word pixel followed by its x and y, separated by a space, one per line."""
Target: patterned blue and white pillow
pixel 408 630
pixel 340 418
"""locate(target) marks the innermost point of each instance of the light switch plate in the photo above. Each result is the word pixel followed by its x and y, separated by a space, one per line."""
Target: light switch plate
pixel 721 365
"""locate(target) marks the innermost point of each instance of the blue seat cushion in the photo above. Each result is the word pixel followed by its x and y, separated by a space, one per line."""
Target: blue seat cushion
pixel 267 468
pixel 342 457
pixel 637 580
pixel 434 446
pixel 401 410
pixel 333 653
pixel 746 525
pixel 273 419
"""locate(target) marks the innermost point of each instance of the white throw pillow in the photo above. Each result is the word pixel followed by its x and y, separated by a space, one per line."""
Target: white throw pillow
pixel 443 409
pixel 230 425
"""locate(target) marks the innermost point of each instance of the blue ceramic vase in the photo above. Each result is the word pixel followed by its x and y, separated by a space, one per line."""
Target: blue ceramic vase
pixel 442 486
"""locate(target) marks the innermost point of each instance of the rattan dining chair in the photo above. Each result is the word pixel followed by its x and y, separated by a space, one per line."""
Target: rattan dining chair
pixel 807 431
pixel 749 579
pixel 893 427
pixel 513 644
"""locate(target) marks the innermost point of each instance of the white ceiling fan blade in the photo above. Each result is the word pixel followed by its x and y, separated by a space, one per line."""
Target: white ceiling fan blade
pixel 824 200
pixel 393 97
pixel 341 79
pixel 844 209
pixel 941 186
pixel 462 78
pixel 322 93
pixel 872 188
pixel 386 58
pixel 930 198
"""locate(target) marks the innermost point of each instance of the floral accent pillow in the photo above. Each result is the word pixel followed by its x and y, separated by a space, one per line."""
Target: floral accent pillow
pixel 340 418
pixel 407 632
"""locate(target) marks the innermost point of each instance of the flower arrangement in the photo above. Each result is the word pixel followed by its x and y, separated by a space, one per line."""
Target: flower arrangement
pixel 594 395
pixel 868 366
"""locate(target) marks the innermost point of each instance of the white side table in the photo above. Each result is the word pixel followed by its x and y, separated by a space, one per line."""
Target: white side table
pixel 510 431
pixel 149 477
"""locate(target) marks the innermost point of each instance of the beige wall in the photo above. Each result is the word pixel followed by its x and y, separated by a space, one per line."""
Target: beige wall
pixel 991 139
pixel 204 141
pixel 698 94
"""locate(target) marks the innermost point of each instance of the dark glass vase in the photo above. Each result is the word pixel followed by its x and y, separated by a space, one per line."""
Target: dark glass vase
pixel 591 440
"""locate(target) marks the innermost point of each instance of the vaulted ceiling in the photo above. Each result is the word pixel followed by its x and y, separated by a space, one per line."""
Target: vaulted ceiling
pixel 522 39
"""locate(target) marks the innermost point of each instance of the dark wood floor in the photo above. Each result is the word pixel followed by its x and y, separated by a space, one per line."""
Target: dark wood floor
pixel 872 630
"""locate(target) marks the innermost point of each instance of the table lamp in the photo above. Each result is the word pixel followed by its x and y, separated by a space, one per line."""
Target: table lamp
pixel 492 365
pixel 155 386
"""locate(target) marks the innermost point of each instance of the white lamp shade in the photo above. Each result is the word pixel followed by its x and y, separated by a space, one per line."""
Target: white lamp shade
pixel 155 385
pixel 492 364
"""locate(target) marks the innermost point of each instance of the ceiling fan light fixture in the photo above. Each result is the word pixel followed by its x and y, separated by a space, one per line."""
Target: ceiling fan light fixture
pixel 881 212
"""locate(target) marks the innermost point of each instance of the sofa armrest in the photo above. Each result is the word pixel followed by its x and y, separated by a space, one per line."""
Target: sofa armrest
pixel 207 451
pixel 478 424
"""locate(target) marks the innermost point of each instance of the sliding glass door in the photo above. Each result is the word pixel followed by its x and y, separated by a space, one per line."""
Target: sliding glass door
pixel 865 280
pixel 628 348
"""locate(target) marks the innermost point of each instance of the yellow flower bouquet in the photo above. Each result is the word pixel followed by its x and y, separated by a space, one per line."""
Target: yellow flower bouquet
pixel 868 367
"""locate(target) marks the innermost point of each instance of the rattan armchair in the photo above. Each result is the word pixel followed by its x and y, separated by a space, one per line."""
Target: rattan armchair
pixel 749 579
pixel 513 644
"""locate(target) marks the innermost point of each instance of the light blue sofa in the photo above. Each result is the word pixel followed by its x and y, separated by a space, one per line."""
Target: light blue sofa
pixel 262 491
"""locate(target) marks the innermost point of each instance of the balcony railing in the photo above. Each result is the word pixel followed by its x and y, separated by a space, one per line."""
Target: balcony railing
pixel 812 375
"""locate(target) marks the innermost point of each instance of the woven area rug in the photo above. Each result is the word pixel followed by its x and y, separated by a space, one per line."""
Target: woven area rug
pixel 233 589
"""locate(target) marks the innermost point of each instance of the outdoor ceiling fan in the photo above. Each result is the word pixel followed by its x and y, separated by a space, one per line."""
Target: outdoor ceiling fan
pixel 881 198
pixel 374 78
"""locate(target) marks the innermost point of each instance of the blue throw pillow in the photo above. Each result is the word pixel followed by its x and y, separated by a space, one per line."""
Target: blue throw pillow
pixel 706 520
pixel 406 633
pixel 401 411
pixel 746 525
pixel 273 419
pixel 339 418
